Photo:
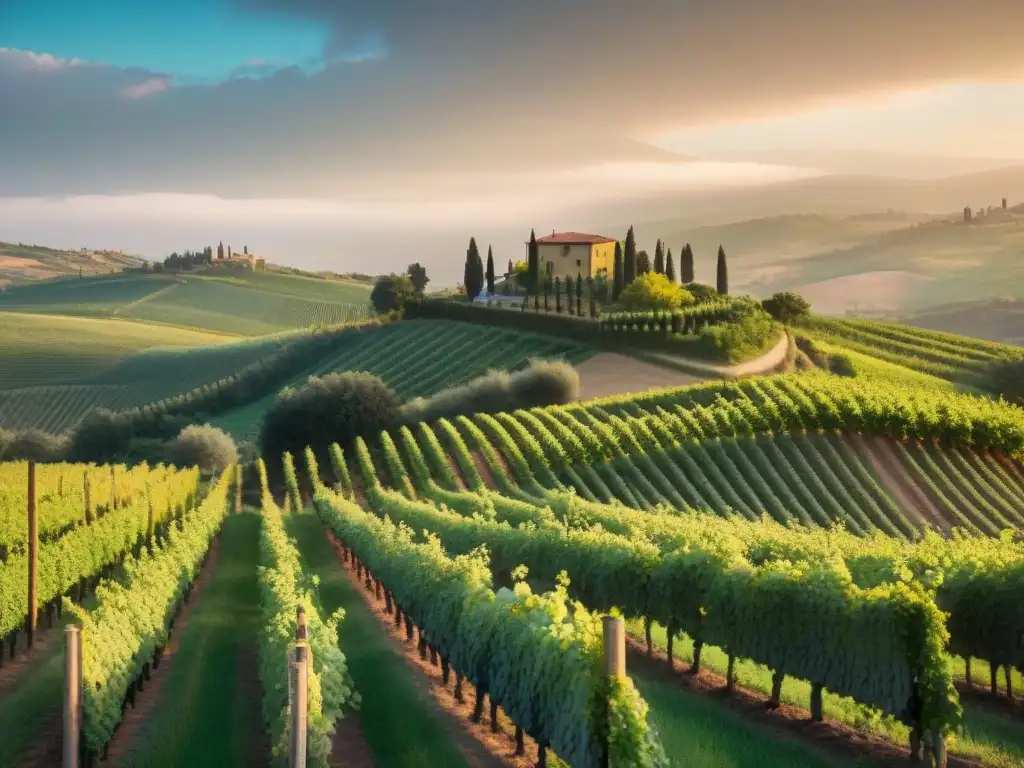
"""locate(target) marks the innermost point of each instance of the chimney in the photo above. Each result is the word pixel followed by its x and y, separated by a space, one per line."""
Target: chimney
pixel 552 233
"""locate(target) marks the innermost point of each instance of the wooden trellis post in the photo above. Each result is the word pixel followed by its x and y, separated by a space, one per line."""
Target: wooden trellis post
pixel 614 655
pixel 299 705
pixel 72 696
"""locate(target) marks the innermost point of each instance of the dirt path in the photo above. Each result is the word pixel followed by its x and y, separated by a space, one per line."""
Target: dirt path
pixel 484 469
pixel 830 736
pixel 769 361
pixel 145 701
pixel 12 670
pixel 478 744
pixel 882 457
pixel 609 373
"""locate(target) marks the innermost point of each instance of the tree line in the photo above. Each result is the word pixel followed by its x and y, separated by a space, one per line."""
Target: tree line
pixel 629 264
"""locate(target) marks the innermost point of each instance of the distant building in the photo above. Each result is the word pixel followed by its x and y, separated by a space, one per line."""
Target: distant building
pixel 566 254
pixel 1004 203
pixel 247 261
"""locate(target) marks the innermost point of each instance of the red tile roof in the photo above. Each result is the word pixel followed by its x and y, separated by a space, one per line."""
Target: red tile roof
pixel 574 238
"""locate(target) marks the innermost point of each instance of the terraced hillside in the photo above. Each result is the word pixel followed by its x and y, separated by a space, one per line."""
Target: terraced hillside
pixel 807 450
pixel 810 450
pixel 115 382
pixel 223 301
pixel 945 355
pixel 46 350
pixel 420 357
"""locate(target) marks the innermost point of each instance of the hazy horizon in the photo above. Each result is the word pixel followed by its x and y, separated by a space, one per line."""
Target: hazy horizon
pixel 156 129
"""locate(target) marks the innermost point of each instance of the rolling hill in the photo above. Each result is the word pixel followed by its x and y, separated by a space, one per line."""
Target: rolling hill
pixel 233 302
pixel 21 263
pixel 819 547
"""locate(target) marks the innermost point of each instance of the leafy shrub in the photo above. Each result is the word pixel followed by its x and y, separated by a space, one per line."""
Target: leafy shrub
pixel 702 292
pixel 748 335
pixel 654 291
pixel 543 382
pixel 391 292
pixel 101 436
pixel 209 448
pixel 1007 379
pixel 34 445
pixel 338 408
pixel 786 306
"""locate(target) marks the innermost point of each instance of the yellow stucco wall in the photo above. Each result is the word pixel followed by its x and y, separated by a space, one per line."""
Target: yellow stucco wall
pixel 602 258
pixel 568 260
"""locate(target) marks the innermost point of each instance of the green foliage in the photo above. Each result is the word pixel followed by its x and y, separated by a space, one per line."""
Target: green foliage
pixel 70 551
pixel 1007 380
pixel 786 306
pixel 542 382
pixel 955 358
pixel 702 292
pixel 418 277
pixel 743 337
pixel 284 589
pixel 515 646
pixel 132 618
pixel 391 292
pixel 291 481
pixel 206 447
pixel 335 408
pixel 653 291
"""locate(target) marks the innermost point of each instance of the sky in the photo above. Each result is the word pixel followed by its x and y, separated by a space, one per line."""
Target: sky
pixel 366 112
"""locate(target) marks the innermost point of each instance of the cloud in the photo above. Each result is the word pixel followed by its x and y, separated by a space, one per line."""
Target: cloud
pixel 38 62
pixel 465 85
pixel 147 88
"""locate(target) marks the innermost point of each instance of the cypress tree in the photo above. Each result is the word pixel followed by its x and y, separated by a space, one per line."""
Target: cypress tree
pixel 618 278
pixel 474 271
pixel 659 258
pixel 670 266
pixel 723 272
pixel 533 264
pixel 579 293
pixel 643 263
pixel 686 264
pixel 547 287
pixel 558 296
pixel 490 270
pixel 629 259
pixel 568 293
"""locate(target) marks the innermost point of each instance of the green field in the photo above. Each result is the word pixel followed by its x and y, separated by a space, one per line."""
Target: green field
pixel 944 355
pixel 420 357
pixel 115 381
pixel 857 532
pixel 217 300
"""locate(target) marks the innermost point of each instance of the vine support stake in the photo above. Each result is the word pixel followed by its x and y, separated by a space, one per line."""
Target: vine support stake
pixel 72 695
pixel 614 646
pixel 33 555
pixel 614 631
pixel 299 705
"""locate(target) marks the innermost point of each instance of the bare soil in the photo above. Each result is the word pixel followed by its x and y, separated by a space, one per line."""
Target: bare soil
pixel 484 469
pixel 787 721
pixel 609 373
pixel 349 748
pixel 479 746
pixel 880 452
pixel 13 669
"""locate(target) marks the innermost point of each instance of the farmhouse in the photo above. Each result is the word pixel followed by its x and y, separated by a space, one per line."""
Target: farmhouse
pixel 566 254
pixel 248 261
